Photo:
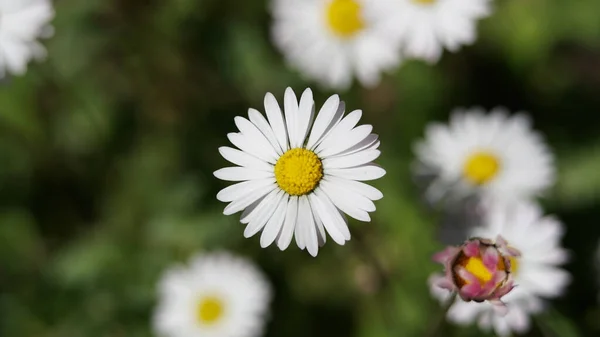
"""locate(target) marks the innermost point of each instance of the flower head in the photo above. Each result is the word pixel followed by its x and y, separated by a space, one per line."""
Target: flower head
pixel 298 172
pixel 21 24
pixel 479 270
pixel 490 156
pixel 216 295
pixel 331 41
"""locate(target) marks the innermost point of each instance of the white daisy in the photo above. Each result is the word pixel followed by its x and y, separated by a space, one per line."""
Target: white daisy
pixel 332 40
pixel 426 27
pixel 494 156
pixel 22 22
pixel 297 177
pixel 217 295
pixel 537 272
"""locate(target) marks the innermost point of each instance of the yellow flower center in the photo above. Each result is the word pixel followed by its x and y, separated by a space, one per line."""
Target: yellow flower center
pixel 481 167
pixel 209 310
pixel 425 2
pixel 344 17
pixel 298 171
pixel 475 266
pixel 514 265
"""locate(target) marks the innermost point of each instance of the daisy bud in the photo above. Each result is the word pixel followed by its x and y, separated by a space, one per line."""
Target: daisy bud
pixel 479 270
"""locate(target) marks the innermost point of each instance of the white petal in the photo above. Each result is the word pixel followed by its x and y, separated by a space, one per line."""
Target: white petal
pixel 276 120
pixel 305 115
pixel 352 160
pixel 274 224
pixel 241 174
pixel 305 218
pixel 287 232
pixel 337 118
pixel 246 200
pixel 244 159
pixel 239 190
pixel 369 143
pixel 320 229
pixel 247 145
pixel 343 127
pixel 343 203
pixel 299 233
pixel 341 141
pixel 361 188
pixel 330 216
pixel 252 133
pixel 290 104
pixel 261 123
pixel 361 173
pixel 263 212
pixel 323 120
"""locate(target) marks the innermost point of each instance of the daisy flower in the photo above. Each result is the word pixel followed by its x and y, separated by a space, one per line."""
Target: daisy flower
pixel 297 177
pixel 536 272
pixel 22 22
pixel 331 41
pixel 492 156
pixel 426 27
pixel 216 295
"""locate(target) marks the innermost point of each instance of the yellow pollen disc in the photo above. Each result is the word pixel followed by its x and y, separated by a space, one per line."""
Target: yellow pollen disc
pixel 514 265
pixel 209 310
pixel 344 17
pixel 475 266
pixel 481 167
pixel 298 171
pixel 425 2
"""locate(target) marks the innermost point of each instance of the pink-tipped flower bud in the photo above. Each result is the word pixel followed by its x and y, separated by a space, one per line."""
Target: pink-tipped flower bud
pixel 479 270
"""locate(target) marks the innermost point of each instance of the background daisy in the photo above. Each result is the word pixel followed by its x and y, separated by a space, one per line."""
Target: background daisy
pixel 216 295
pixel 537 272
pixel 22 22
pixel 491 155
pixel 427 27
pixel 332 41
pixel 298 174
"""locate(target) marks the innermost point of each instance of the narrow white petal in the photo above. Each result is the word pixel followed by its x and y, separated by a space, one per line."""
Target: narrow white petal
pixel 345 204
pixel 261 123
pixel 244 159
pixel 246 200
pixel 287 232
pixel 369 143
pixel 329 216
pixel 276 120
pixel 361 173
pixel 337 118
pixel 305 115
pixel 241 174
pixel 352 160
pixel 324 118
pixel 290 105
pixel 239 190
pixel 305 218
pixel 354 198
pixel 343 127
pixel 341 141
pixel 299 233
pixel 247 145
pixel 252 133
pixel 263 212
pixel 320 229
pixel 361 188
pixel 273 226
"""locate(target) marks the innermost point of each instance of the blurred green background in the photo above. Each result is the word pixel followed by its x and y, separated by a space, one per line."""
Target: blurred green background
pixel 107 151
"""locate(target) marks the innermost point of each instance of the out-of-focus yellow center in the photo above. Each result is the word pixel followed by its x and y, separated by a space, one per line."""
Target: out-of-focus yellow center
pixel 476 267
pixel 481 167
pixel 298 171
pixel 209 310
pixel 514 265
pixel 425 2
pixel 344 17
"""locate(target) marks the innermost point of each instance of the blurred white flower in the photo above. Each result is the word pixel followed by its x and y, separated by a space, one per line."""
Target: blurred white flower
pixel 216 295
pixel 331 41
pixel 426 27
pixel 493 156
pixel 298 176
pixel 22 22
pixel 537 273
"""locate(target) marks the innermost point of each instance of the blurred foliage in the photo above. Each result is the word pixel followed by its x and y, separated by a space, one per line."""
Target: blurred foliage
pixel 108 148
